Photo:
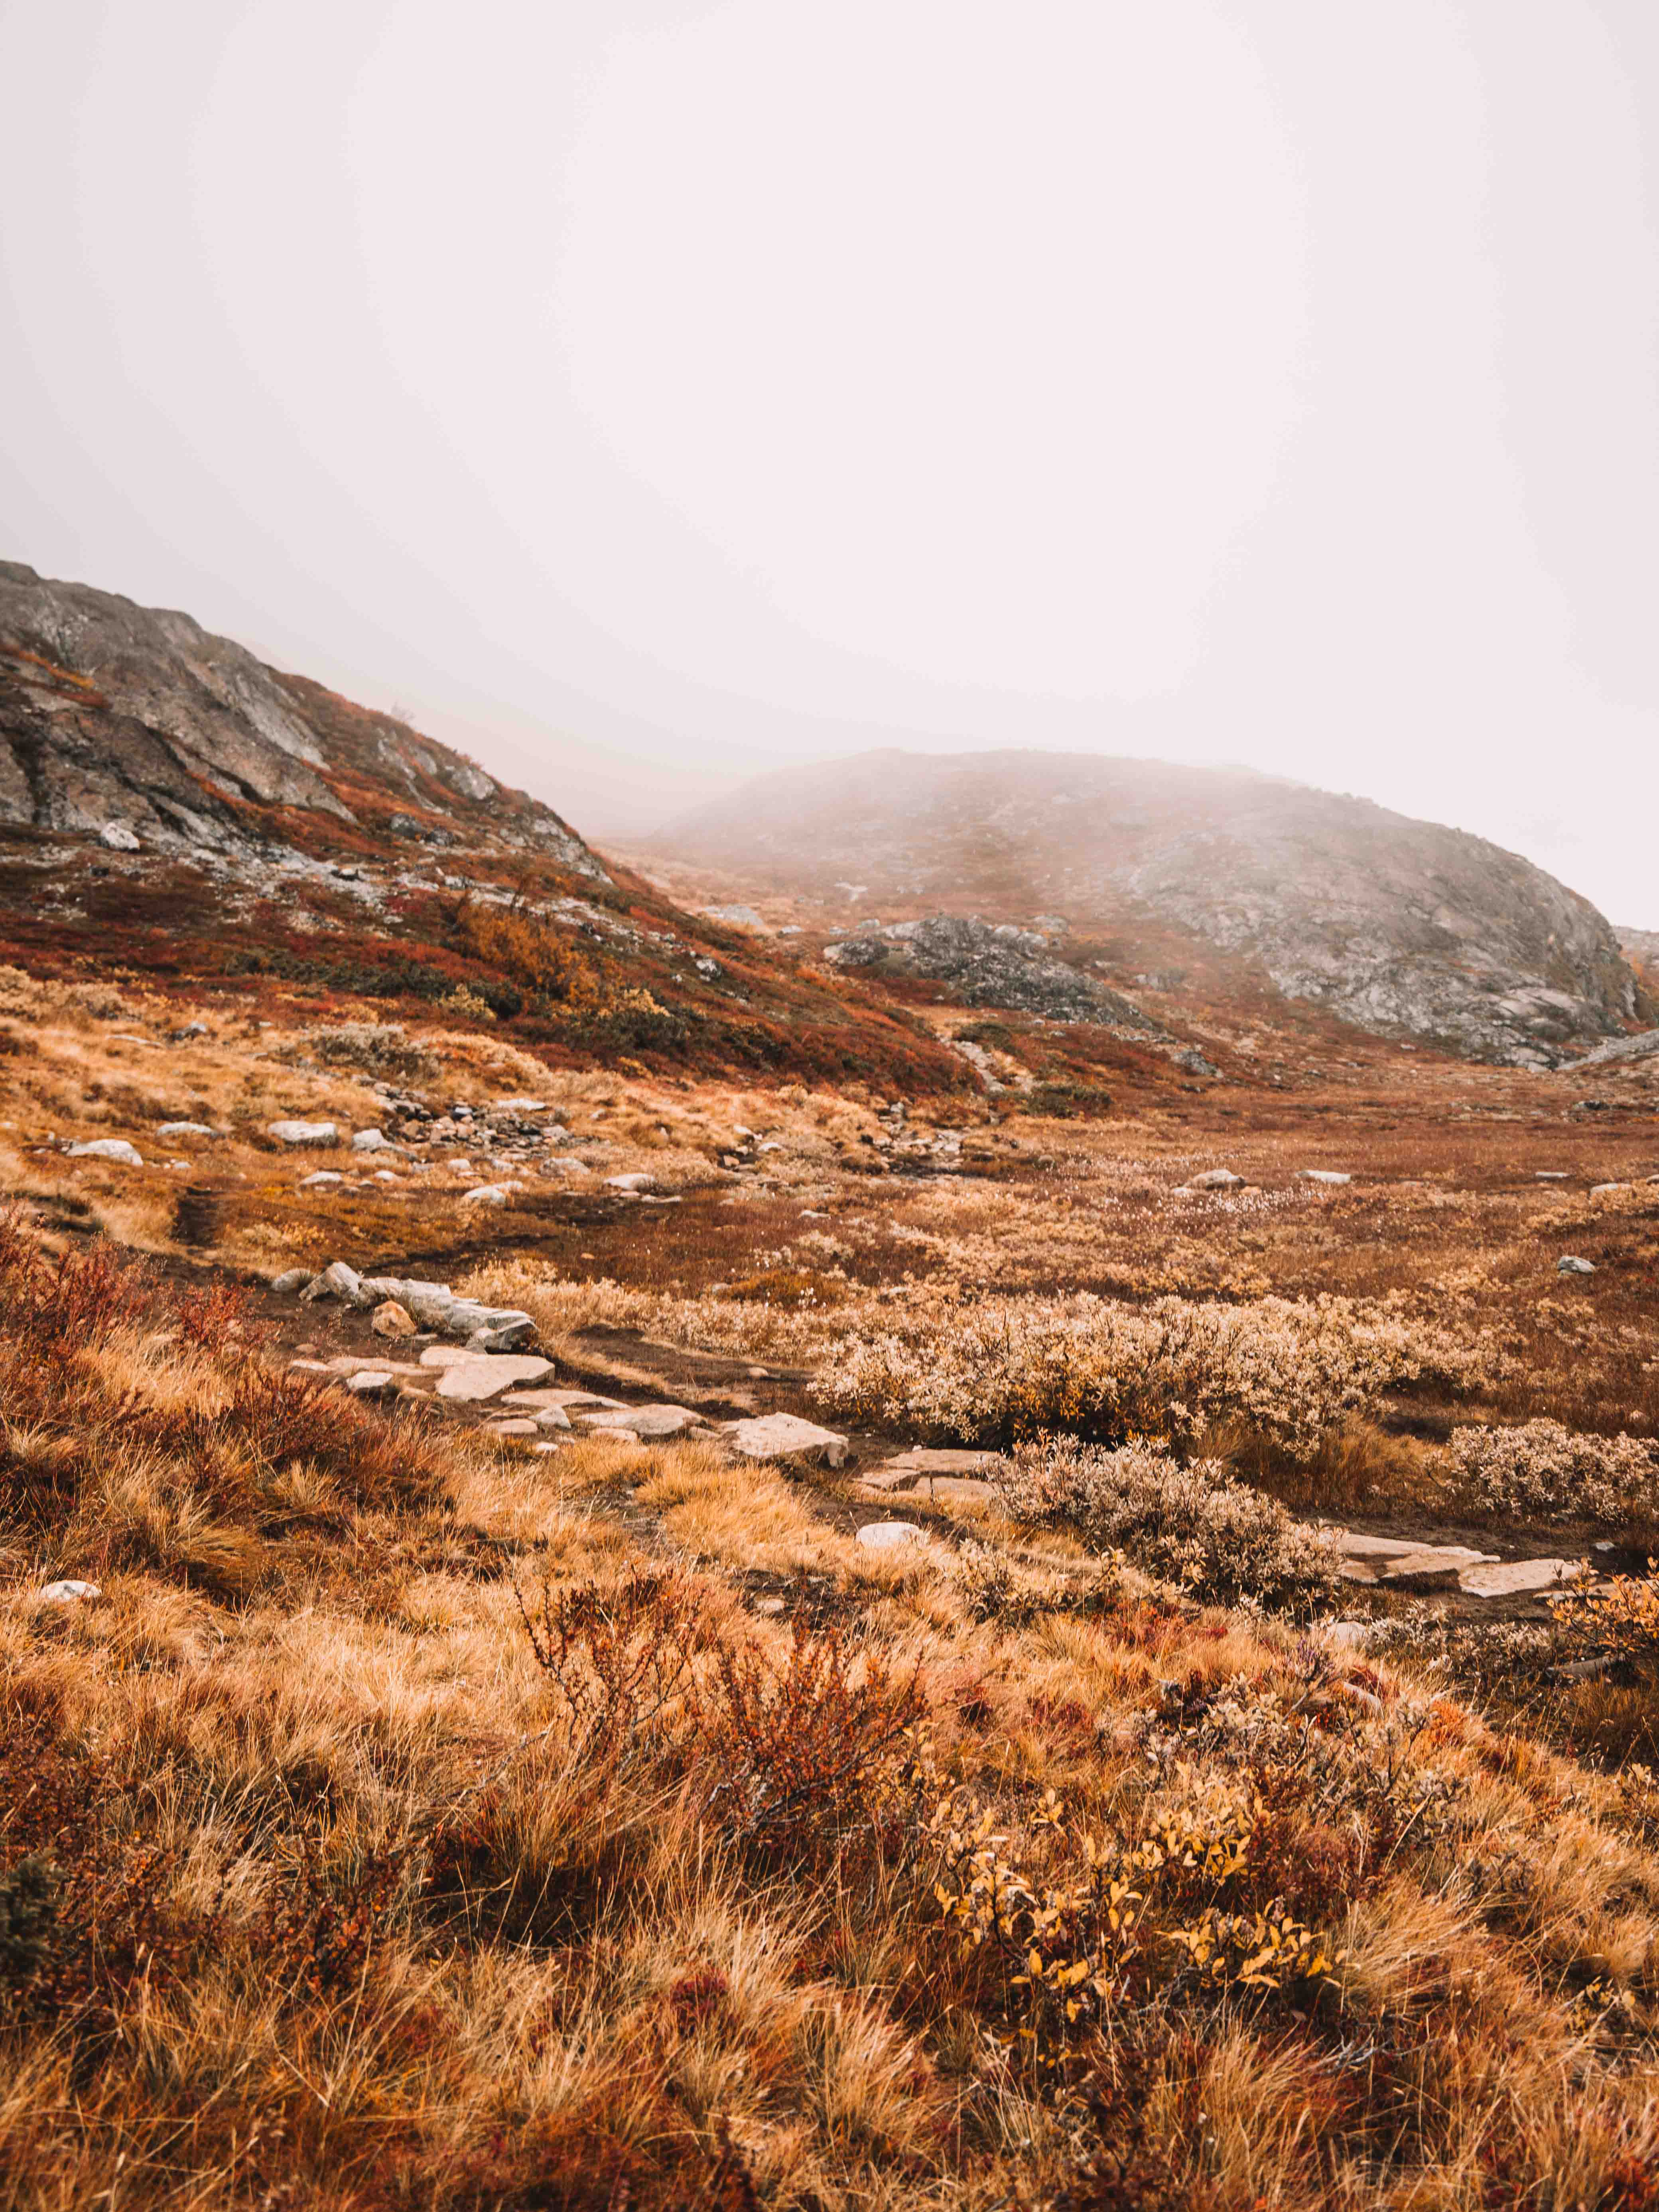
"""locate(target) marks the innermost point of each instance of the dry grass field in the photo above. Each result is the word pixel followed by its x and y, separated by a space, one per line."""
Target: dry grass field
pixel 419 1817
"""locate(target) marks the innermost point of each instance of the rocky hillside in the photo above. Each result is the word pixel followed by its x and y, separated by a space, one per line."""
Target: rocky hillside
pixel 171 806
pixel 1405 928
pixel 134 725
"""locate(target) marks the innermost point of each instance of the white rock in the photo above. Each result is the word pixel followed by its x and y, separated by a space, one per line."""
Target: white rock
pixel 291 1280
pixel 1518 1577
pixel 1550 1174
pixel 889 1535
pixel 1322 1174
pixel 1570 1264
pixel 369 1381
pixel 67 1593
pixel 186 1130
pixel 303 1133
pixel 108 1148
pixel 550 1417
pixel 486 1193
pixel 631 1184
pixel 1215 1179
pixel 324 1179
pixel 1600 1190
pixel 119 838
pixel 345 1283
pixel 513 1428
pixel 370 1140
pixel 474 1380
pixel 785 1436
pixel 521 1105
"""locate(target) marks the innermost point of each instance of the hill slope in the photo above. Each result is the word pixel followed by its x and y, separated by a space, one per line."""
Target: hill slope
pixel 1402 927
pixel 171 805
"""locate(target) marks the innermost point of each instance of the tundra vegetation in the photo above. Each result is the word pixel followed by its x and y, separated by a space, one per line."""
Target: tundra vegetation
pixel 418 1817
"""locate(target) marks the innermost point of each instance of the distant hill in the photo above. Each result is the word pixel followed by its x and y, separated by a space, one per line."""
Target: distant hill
pixel 1405 928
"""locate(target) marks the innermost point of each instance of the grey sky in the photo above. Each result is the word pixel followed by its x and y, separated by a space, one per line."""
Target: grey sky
pixel 644 394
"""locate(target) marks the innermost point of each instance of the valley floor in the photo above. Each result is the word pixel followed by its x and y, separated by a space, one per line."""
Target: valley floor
pixel 420 1816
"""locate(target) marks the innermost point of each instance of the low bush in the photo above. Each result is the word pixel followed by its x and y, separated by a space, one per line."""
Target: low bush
pixel 1548 1471
pixel 384 1048
pixel 1003 1369
pixel 1219 1540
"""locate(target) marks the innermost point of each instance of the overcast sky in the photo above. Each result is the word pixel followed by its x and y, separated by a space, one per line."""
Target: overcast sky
pixel 643 393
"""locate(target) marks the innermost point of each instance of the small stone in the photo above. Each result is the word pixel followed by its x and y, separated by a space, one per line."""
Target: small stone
pixel 370 1141
pixel 1570 1264
pixel 486 1193
pixel 324 1179
pixel 108 1148
pixel 1519 1577
pixel 291 1280
pixel 770 1606
pixel 370 1382
pixel 550 1417
pixel 514 1427
pixel 345 1283
pixel 1550 1174
pixel 119 838
pixel 889 1535
pixel 473 1379
pixel 303 1133
pixel 393 1320
pixel 173 1130
pixel 650 1424
pixel 511 1336
pixel 1322 1174
pixel 1600 1190
pixel 1216 1179
pixel 69 1593
pixel 785 1436
pixel 630 1185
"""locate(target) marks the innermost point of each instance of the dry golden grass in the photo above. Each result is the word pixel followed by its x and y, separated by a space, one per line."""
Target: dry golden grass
pixel 318 1888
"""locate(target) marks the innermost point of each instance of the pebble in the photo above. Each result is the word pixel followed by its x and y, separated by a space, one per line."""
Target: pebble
pixel 175 1129
pixel 324 1179
pixel 1570 1264
pixel 393 1320
pixel 370 1140
pixel 513 1427
pixel 1323 1174
pixel 1216 1179
pixel 67 1593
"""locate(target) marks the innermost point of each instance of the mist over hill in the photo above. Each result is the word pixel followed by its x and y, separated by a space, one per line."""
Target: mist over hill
pixel 1405 928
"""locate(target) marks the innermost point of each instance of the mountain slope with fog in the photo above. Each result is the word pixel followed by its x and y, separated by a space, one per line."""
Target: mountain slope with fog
pixel 1405 928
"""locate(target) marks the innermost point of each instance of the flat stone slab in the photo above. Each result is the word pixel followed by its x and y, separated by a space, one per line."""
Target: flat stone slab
pixel 108 1148
pixel 1332 1175
pixel 563 1401
pixel 513 1428
pixel 943 1490
pixel 785 1436
pixel 1353 1546
pixel 906 1465
pixel 477 1376
pixel 1519 1577
pixel 650 1424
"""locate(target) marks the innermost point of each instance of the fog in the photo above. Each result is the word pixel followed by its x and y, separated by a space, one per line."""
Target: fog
pixel 642 395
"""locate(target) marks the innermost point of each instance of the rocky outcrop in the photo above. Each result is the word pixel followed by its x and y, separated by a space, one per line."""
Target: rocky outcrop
pixel 986 964
pixel 135 725
pixel 1403 927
